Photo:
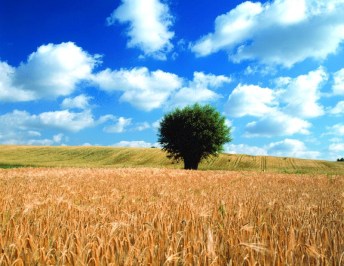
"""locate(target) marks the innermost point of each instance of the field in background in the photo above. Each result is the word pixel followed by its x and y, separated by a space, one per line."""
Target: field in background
pixel 79 216
pixel 16 156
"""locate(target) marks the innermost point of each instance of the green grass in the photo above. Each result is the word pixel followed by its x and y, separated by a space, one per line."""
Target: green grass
pixel 31 156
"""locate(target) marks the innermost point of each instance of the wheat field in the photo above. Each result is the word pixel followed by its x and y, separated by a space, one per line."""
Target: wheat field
pixel 146 216
pixel 120 157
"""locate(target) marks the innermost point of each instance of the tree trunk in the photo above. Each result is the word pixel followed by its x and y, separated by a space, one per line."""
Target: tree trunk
pixel 190 164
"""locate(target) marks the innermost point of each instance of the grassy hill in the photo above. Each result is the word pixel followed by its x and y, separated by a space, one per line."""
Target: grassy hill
pixel 23 156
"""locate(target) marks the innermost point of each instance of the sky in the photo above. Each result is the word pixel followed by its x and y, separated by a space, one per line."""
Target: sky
pixel 104 72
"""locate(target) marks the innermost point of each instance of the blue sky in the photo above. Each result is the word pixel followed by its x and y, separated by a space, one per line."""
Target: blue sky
pixel 88 72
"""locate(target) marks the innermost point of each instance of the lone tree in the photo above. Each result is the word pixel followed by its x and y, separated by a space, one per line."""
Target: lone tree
pixel 192 134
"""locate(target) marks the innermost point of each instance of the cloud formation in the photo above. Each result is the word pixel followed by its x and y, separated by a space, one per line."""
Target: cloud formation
pixel 134 144
pixel 120 126
pixel 338 86
pixel 67 120
pixel 301 95
pixel 32 124
pixel 291 148
pixel 79 102
pixel 250 100
pixel 277 124
pixel 144 89
pixel 149 25
pixel 282 32
pixel 244 149
pixel 53 70
pixel 283 148
pixel 282 110
pixel 337 129
pixel 338 109
pixel 201 89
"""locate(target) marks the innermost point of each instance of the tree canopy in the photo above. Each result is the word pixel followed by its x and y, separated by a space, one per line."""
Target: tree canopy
pixel 193 133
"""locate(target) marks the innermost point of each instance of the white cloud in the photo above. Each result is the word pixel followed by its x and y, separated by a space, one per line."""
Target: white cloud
pixel 33 133
pixel 149 25
pixel 58 138
pixel 8 92
pixel 156 124
pixel 79 102
pixel 250 100
pixel 20 127
pixel 55 140
pixel 134 144
pixel 338 86
pixel 291 148
pixel 337 129
pixel 142 126
pixel 301 94
pixel 284 148
pixel 336 148
pixel 53 70
pixel 22 121
pixel 230 29
pixel 39 142
pixel 120 126
pixel 186 96
pixel 279 32
pixel 202 80
pixel 244 149
pixel 277 124
pixel 199 90
pixel 67 120
pixel 338 109
pixel 17 127
pixel 141 88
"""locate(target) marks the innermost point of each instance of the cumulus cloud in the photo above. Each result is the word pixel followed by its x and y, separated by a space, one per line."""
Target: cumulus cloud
pixel 198 90
pixel 134 144
pixel 338 86
pixel 144 89
pixel 79 102
pixel 120 126
pixel 67 120
pixel 62 120
pixel 277 124
pixel 336 147
pixel 203 80
pixel 291 148
pixel 280 32
pixel 283 148
pixel 53 70
pixel 142 126
pixel 294 96
pixel 20 127
pixel 250 100
pixel 337 129
pixel 244 149
pixel 8 91
pixel 301 95
pixel 149 25
pixel 55 140
pixel 338 109
pixel 186 96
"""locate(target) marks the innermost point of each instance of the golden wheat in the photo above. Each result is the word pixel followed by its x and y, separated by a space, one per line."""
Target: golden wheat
pixel 169 217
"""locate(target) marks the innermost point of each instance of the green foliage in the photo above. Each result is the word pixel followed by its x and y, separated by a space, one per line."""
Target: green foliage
pixel 193 133
pixel 340 160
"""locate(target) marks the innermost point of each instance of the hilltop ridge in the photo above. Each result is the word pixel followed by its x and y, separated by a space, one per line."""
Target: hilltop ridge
pixel 92 156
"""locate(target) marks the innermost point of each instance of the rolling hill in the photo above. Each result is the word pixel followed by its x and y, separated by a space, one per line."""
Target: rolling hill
pixel 33 156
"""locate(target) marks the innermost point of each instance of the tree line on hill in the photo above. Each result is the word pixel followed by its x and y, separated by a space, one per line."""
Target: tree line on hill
pixel 340 160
